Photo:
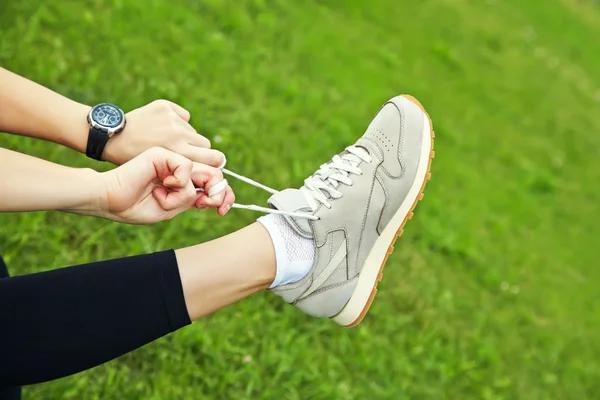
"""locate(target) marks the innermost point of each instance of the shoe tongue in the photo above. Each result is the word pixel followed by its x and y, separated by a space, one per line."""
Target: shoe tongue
pixel 292 200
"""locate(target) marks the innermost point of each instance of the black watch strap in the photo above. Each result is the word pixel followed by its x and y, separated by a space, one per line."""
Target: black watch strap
pixel 97 140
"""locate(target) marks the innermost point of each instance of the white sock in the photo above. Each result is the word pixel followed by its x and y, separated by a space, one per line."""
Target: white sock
pixel 294 254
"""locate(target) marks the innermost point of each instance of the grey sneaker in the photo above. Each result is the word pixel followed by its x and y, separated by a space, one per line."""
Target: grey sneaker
pixel 358 203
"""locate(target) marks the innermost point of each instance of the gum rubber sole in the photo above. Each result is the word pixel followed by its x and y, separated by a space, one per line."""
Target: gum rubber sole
pixel 408 216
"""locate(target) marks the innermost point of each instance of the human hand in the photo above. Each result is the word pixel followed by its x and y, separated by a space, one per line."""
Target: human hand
pixel 160 124
pixel 159 184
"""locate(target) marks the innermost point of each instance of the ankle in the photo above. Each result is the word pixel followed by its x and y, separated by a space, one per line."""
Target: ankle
pixel 263 274
pixel 294 254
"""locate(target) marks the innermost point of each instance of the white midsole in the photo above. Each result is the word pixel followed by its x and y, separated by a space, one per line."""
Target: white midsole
pixel 368 276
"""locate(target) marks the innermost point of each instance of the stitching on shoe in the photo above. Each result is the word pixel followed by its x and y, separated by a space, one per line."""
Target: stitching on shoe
pixel 322 289
pixel 400 145
pixel 401 138
pixel 364 221
pixel 387 196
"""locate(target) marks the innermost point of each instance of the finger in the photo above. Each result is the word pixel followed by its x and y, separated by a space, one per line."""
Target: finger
pixel 206 177
pixel 182 112
pixel 198 140
pixel 181 169
pixel 211 157
pixel 216 201
pixel 173 170
pixel 227 202
pixel 174 200
pixel 193 137
pixel 223 205
pixel 187 128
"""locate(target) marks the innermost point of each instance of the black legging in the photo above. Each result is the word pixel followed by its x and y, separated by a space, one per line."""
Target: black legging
pixel 7 392
pixel 57 323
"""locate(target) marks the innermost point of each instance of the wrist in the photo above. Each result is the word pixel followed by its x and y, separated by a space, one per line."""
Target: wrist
pixel 91 193
pixel 105 121
pixel 117 152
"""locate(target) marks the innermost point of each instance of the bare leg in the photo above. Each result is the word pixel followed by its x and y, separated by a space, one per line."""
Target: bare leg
pixel 79 317
pixel 225 270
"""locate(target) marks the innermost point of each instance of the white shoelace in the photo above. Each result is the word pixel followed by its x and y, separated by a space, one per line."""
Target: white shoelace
pixel 319 188
pixel 329 177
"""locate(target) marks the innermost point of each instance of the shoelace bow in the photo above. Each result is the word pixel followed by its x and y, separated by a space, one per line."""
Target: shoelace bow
pixel 319 188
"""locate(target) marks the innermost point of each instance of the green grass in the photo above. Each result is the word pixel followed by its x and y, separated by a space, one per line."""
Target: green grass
pixel 492 292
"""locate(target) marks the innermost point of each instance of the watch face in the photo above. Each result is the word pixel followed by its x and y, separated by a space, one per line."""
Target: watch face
pixel 107 115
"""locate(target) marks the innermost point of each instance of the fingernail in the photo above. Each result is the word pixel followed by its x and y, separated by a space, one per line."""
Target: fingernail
pixel 201 207
pixel 227 208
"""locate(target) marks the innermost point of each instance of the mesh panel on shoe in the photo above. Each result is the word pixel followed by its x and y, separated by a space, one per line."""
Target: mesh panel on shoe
pixel 298 248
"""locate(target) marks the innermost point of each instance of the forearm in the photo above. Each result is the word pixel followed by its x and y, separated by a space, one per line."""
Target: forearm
pixel 31 184
pixel 56 323
pixel 29 109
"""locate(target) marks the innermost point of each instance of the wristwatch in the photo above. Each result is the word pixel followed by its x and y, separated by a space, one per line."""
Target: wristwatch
pixel 105 120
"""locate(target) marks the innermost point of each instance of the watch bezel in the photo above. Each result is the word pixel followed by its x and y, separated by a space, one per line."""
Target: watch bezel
pixel 110 130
